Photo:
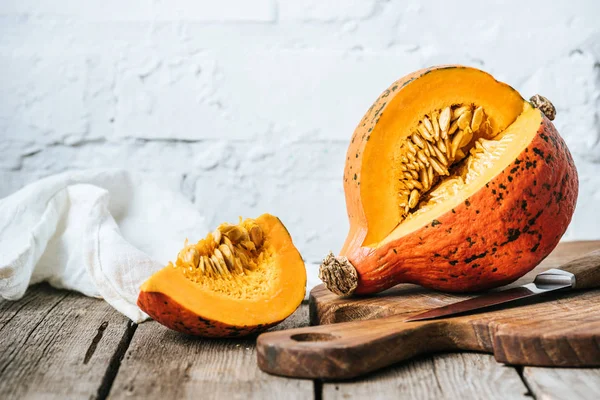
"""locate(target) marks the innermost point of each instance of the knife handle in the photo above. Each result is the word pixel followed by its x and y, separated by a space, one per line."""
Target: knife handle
pixel 586 270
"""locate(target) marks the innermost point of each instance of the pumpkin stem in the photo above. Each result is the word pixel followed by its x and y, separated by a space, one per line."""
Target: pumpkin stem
pixel 544 105
pixel 338 274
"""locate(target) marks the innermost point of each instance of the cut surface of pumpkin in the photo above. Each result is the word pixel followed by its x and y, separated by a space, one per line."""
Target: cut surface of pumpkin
pixel 442 142
pixel 453 178
pixel 240 279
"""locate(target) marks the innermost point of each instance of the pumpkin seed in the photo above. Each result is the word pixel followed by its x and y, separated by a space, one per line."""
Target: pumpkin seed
pixel 248 245
pixel 231 231
pixel 417 185
pixel 438 168
pixel 426 151
pixel 191 256
pixel 411 147
pixel 436 126
pixel 430 174
pixel 464 120
pixel 440 156
pixel 468 135
pixel 441 145
pixel 256 236
pixel 430 148
pixel 227 256
pixel 448 147
pixel 417 140
pixel 428 126
pixel 210 267
pixel 220 260
pixel 425 133
pixel 228 243
pixel 453 128
pixel 217 236
pixel 424 179
pixel 457 113
pixel 445 121
pixel 456 142
pixel 201 265
pixel 238 267
pixel 413 199
pixel 477 119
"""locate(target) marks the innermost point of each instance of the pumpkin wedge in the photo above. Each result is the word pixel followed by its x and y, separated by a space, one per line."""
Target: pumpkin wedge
pixel 452 182
pixel 240 279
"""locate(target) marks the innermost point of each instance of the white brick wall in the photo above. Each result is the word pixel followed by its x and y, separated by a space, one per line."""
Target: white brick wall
pixel 248 106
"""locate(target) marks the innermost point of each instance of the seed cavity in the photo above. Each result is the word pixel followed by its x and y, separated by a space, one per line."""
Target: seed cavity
pixel 227 252
pixel 433 152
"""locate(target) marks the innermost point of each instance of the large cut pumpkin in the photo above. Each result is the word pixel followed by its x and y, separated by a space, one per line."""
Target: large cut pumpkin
pixel 240 279
pixel 452 182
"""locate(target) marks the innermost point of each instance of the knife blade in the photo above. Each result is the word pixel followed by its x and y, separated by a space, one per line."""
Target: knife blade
pixel 579 273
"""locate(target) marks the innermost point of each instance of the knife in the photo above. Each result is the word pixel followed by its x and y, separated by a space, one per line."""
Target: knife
pixel 581 273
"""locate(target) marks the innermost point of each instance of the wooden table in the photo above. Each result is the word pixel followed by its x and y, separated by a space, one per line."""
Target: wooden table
pixel 58 344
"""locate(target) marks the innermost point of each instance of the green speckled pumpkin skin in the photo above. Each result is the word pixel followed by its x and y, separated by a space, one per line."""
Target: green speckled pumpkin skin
pixel 497 235
pixel 169 313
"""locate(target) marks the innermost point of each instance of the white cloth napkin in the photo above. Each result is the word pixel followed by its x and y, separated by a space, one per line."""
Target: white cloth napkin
pixel 99 232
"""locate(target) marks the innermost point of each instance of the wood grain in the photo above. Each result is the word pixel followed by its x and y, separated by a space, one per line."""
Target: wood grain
pixel 445 376
pixel 562 331
pixel 586 271
pixel 563 383
pixel 161 363
pixel 57 344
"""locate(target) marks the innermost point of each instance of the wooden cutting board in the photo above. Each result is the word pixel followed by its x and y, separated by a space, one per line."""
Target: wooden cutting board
pixel 558 330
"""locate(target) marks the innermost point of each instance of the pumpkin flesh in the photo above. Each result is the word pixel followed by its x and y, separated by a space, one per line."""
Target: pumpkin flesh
pixel 269 288
pixel 432 90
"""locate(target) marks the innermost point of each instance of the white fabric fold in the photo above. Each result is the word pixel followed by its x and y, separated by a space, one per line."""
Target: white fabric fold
pixel 99 232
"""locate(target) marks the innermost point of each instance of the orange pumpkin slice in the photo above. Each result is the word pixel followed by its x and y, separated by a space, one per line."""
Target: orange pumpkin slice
pixel 453 182
pixel 240 279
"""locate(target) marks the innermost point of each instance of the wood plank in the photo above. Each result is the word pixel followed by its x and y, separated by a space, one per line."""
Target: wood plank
pixel 161 363
pixel 58 344
pixel 445 376
pixel 563 383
